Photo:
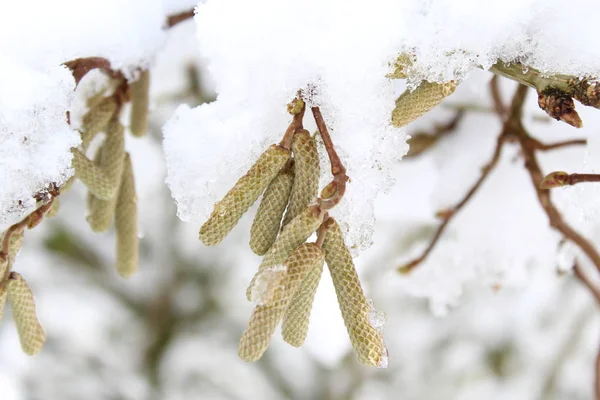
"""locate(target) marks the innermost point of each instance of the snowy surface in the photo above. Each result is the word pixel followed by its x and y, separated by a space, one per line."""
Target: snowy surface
pixel 258 59
pixel 36 37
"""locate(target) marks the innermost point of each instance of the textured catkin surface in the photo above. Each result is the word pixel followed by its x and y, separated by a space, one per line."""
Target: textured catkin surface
pixel 126 223
pixel 412 104
pixel 3 297
pixel 294 326
pixel 244 193
pixel 307 174
pixel 265 318
pixel 96 119
pixel 139 104
pixel 92 176
pixel 16 242
pixel 30 331
pixel 367 341
pixel 110 159
pixel 293 235
pixel 267 222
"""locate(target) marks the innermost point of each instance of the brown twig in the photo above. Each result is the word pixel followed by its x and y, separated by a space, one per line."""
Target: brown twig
pixel 558 145
pixel 175 19
pixel 585 279
pixel 81 66
pixel 333 193
pixel 422 141
pixel 322 231
pixel 560 178
pixel 499 106
pixel 30 221
pixel 295 125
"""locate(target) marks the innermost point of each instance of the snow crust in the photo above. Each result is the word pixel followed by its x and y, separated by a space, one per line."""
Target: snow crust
pixel 260 53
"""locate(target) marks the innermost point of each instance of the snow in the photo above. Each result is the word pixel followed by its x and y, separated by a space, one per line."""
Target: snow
pixel 36 92
pixel 262 54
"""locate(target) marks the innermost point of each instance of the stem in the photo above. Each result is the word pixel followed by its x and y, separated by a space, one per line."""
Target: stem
pixel 295 125
pixel 322 231
pixel 175 19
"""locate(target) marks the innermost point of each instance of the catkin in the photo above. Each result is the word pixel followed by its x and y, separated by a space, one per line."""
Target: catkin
pixel 265 318
pixel 139 104
pixel 96 119
pixel 294 326
pixel 412 104
pixel 306 174
pixel 244 193
pixel 21 299
pixel 126 221
pixel 16 242
pixel 293 235
pixel 110 159
pixel 366 339
pixel 92 176
pixel 3 297
pixel 267 222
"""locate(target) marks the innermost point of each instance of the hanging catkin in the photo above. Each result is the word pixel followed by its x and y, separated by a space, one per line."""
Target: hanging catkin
pixel 412 104
pixel 265 318
pixel 366 339
pixel 293 235
pixel 126 223
pixel 267 222
pixel 139 104
pixel 31 333
pixel 244 193
pixel 92 176
pixel 96 119
pixel 110 159
pixel 306 174
pixel 294 327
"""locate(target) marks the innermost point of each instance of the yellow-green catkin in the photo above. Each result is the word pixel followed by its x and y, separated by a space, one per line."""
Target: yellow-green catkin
pixel 31 333
pixel 293 235
pixel 294 326
pixel 3 297
pixel 92 176
pixel 139 104
pixel 244 193
pixel 265 318
pixel 16 242
pixel 126 223
pixel 110 159
pixel 412 104
pixel 96 119
pixel 367 340
pixel 267 222
pixel 306 174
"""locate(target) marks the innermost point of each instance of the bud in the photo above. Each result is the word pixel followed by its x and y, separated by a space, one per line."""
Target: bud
pixel 560 106
pixel 295 106
pixel 96 119
pixel 293 235
pixel 412 104
pixel 236 202
pixel 126 223
pixel 265 318
pixel 21 299
pixel 268 217
pixel 307 173
pixel 366 339
pixel 139 104
pixel 555 179
pixel 294 327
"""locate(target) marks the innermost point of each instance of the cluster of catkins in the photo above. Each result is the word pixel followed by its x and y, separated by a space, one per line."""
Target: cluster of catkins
pixel 109 175
pixel 111 196
pixel 284 287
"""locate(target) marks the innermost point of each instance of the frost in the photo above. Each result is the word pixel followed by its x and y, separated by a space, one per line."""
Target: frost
pixel 266 284
pixel 258 60
pixel 384 361
pixel 377 319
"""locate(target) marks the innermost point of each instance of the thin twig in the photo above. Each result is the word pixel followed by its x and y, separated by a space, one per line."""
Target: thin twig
pixel 175 19
pixel 295 125
pixel 497 97
pixel 585 279
pixel 558 145
pixel 419 142
pixel 322 231
pixel 336 189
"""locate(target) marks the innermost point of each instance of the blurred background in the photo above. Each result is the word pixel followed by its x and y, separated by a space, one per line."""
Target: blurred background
pixel 512 324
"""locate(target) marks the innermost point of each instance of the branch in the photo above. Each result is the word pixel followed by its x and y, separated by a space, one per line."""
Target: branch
pixel 175 19
pixel 422 141
pixel 560 178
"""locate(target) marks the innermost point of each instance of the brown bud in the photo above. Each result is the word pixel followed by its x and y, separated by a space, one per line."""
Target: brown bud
pixel 559 106
pixel 555 179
